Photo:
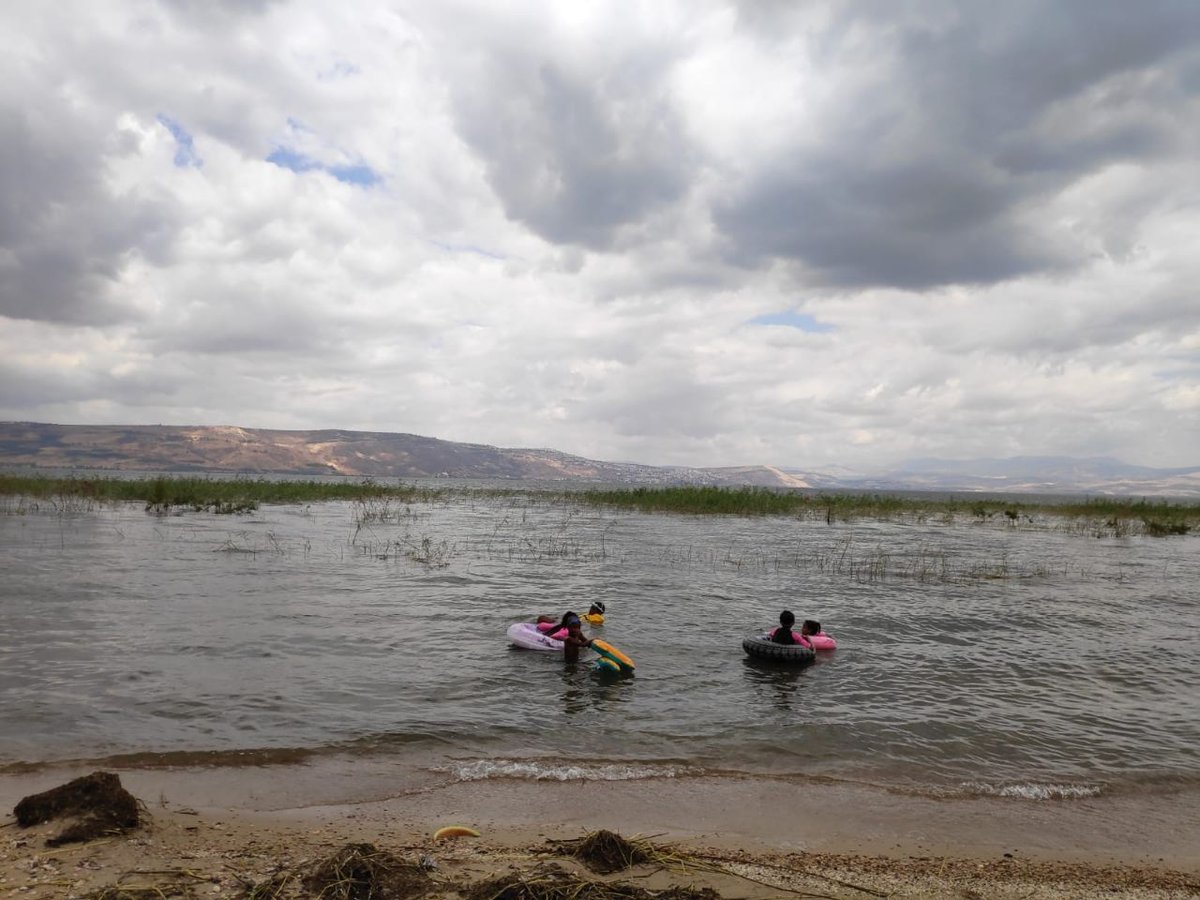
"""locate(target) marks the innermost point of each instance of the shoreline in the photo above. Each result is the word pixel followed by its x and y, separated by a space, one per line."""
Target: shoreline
pixel 201 820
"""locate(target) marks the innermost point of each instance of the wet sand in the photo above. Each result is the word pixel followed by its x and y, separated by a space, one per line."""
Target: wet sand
pixel 213 832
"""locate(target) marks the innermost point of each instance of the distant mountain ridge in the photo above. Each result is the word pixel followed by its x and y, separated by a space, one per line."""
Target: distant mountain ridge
pixel 231 449
pixel 1027 474
pixel 262 451
pixel 1038 467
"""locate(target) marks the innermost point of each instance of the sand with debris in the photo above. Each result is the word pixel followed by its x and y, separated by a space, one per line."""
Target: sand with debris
pixel 192 851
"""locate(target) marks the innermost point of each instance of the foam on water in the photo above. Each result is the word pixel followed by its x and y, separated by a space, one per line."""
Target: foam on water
pixel 1035 791
pixel 484 769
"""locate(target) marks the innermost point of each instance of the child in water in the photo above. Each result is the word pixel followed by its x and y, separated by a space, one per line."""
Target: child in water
pixel 594 616
pixel 819 640
pixel 784 634
pixel 570 632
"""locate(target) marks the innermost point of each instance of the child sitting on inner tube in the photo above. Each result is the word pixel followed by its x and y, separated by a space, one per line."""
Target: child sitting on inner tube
pixel 784 634
pixel 811 629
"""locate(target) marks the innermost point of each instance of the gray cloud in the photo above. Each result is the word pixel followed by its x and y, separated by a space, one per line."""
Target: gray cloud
pixel 574 152
pixel 65 236
pixel 581 213
pixel 927 173
pixel 909 224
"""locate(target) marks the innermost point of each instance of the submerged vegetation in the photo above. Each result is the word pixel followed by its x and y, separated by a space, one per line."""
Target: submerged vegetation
pixel 433 528
pixel 1117 515
pixel 377 502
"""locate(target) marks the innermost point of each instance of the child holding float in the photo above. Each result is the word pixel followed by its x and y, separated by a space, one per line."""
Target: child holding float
pixel 567 635
pixel 570 632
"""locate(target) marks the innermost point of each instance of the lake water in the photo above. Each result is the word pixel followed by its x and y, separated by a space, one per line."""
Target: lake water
pixel 976 657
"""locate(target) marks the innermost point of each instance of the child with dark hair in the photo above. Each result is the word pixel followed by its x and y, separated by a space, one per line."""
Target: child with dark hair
pixel 784 634
pixel 595 614
pixel 570 632
pixel 811 631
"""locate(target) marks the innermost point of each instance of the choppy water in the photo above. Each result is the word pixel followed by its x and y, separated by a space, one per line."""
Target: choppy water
pixel 976 657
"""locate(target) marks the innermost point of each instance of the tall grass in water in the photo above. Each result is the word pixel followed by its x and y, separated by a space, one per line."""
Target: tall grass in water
pixel 227 495
pixel 1105 517
pixel 1117 517
pixel 749 501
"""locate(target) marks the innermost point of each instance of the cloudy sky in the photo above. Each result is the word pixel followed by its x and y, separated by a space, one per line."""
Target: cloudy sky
pixel 699 233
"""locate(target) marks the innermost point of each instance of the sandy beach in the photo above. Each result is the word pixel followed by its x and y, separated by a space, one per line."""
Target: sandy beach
pixel 217 832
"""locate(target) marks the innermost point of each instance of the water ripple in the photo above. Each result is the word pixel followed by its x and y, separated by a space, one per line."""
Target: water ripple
pixel 1070 673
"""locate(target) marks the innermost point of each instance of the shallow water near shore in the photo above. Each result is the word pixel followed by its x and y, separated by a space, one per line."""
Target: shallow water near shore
pixel 1033 661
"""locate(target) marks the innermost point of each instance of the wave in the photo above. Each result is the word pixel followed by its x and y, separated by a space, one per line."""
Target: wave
pixel 1034 790
pixel 1132 784
pixel 546 770
pixel 446 758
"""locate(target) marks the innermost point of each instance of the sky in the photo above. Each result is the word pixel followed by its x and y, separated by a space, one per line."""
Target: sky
pixel 802 234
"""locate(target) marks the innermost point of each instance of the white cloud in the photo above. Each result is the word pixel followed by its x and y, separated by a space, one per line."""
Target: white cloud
pixel 555 225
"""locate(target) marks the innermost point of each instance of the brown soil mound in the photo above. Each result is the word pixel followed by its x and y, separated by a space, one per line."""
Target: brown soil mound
pixel 98 803
pixel 550 882
pixel 362 872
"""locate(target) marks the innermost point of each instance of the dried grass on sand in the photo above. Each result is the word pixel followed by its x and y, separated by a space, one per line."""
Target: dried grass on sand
pixel 362 872
pixel 551 882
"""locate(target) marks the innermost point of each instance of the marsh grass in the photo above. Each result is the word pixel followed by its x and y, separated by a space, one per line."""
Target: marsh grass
pixel 927 564
pixel 374 509
pixel 428 552
pixel 540 548
pixel 227 495
pixel 1157 528
pixel 1105 516
pixel 374 525
pixel 858 557
pixel 518 536
pixel 252 545
pixel 377 502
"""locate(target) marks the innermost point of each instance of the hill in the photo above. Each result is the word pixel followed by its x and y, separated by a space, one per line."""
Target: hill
pixel 228 449
pixel 263 451
pixel 1027 475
